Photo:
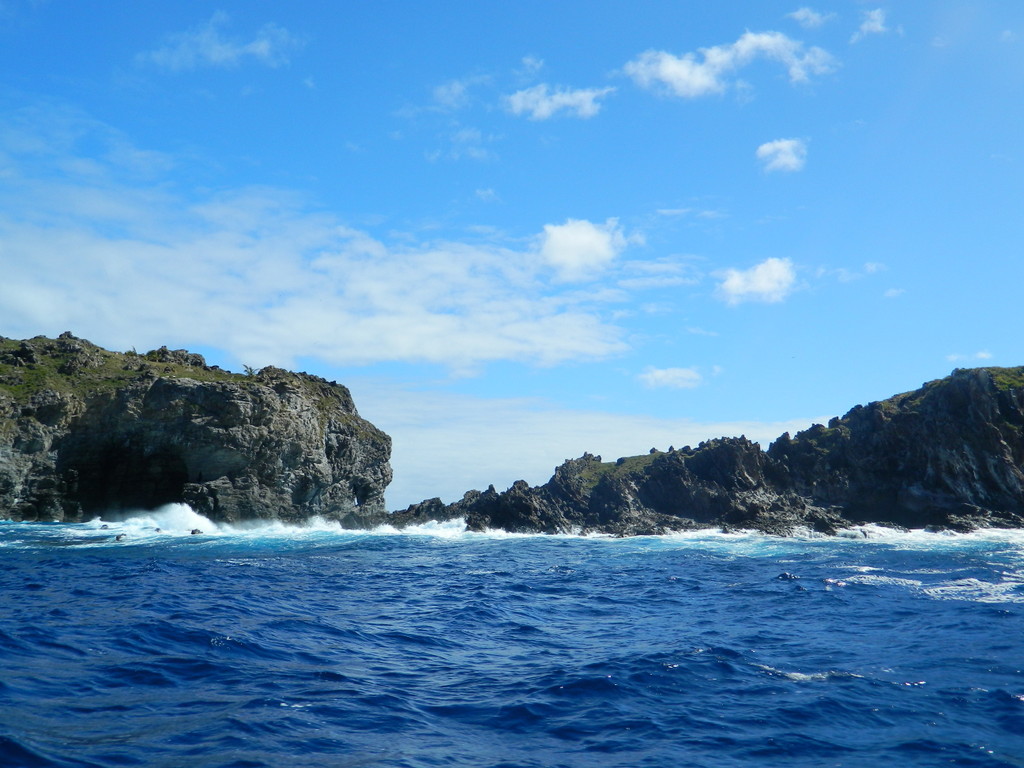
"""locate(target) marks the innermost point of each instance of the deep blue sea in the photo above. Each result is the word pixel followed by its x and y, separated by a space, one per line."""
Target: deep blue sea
pixel 318 647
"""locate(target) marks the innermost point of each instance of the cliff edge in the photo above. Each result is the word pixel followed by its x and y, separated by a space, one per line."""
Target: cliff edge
pixel 949 455
pixel 85 431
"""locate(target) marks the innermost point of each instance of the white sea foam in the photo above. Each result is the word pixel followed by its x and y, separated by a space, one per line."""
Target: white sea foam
pixel 918 536
pixel 975 590
pixel 175 520
pixel 805 677
pixel 892 581
pixel 171 519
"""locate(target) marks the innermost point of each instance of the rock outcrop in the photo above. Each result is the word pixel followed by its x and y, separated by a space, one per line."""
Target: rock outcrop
pixel 949 455
pixel 86 432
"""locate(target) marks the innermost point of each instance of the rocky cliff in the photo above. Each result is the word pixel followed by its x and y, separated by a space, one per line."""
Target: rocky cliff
pixel 948 455
pixel 85 431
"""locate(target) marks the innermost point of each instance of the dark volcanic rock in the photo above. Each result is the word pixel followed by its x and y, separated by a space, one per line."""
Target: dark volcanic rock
pixel 949 455
pixel 84 431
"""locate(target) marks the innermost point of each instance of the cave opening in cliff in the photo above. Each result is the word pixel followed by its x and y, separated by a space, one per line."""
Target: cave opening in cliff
pixel 120 479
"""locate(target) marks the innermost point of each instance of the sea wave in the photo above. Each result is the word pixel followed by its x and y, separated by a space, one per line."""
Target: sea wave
pixel 269 645
pixel 175 521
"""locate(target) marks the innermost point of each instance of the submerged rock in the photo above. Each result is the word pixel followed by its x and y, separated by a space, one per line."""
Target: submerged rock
pixel 85 431
pixel 947 456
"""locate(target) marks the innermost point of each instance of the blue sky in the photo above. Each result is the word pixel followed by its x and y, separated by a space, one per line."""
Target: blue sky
pixel 522 231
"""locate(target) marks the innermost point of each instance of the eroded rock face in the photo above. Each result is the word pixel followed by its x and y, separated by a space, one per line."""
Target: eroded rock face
pixel 949 455
pixel 85 432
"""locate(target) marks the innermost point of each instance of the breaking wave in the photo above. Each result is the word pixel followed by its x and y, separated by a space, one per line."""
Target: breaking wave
pixel 269 645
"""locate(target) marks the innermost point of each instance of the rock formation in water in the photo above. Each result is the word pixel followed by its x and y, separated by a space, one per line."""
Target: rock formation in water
pixel 949 455
pixel 87 432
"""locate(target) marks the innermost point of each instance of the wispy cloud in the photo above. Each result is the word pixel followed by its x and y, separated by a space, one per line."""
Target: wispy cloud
pixel 783 154
pixel 455 94
pixel 665 272
pixel 845 275
pixel 95 249
pixel 809 18
pixel 770 281
pixel 977 356
pixel 531 65
pixel 670 378
pixel 541 102
pixel 207 45
pixel 872 23
pixel 708 71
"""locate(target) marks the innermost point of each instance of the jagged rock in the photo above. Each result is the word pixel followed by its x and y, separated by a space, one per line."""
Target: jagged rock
pixel 85 431
pixel 949 455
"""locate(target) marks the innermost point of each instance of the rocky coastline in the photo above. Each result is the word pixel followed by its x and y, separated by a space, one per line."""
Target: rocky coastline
pixel 948 456
pixel 87 432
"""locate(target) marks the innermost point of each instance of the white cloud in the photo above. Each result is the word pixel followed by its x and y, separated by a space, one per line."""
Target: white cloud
pixel 690 75
pixel 770 281
pixel 206 45
pixel 872 23
pixel 783 154
pixel 447 444
pixel 894 293
pixel 451 95
pixel 695 331
pixel 274 284
pixel 808 18
pixel 849 275
pixel 670 378
pixel 470 142
pixel 131 264
pixel 542 102
pixel 531 66
pixel 661 273
pixel 579 249
pixel 464 141
pixel 978 356
pixel 454 94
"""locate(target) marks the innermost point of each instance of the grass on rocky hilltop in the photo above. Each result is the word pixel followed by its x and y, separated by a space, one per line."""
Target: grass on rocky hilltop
pixel 594 471
pixel 79 368
pixel 1004 379
pixel 1007 378
pixel 86 370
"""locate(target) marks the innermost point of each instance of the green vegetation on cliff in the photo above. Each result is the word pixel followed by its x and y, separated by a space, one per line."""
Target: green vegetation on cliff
pixel 77 367
pixel 592 472
pixel 86 431
pixel 1007 378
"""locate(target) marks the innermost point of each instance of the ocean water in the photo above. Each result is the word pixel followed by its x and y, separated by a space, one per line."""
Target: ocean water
pixel 279 646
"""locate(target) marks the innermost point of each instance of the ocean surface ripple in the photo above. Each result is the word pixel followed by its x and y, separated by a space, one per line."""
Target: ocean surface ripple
pixel 280 646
